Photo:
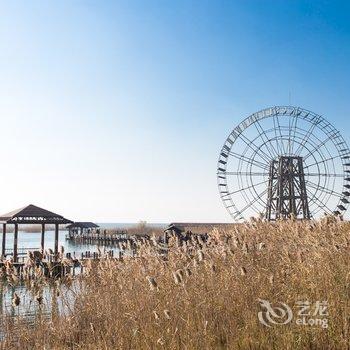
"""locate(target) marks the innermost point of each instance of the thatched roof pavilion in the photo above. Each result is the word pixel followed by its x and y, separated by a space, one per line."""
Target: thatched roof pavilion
pixel 31 214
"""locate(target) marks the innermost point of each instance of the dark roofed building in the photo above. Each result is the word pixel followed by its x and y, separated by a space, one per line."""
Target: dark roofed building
pixel 199 227
pixel 81 226
pixel 31 214
pixel 184 229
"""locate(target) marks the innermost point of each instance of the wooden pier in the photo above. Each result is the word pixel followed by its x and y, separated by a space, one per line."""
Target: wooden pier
pixel 100 238
pixel 88 234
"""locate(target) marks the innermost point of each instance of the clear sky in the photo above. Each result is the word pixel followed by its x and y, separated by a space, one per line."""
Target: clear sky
pixel 115 111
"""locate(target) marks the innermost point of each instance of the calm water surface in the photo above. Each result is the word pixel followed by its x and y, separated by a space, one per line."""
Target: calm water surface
pixel 29 306
pixel 32 240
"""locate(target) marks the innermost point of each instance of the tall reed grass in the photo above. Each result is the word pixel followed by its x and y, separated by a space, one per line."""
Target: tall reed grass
pixel 205 295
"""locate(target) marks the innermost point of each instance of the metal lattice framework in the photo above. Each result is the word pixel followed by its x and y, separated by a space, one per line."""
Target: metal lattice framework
pixel 287 194
pixel 320 168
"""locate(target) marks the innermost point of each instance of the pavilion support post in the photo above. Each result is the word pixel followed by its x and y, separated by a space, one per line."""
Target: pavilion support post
pixel 56 240
pixel 15 244
pixel 3 247
pixel 42 238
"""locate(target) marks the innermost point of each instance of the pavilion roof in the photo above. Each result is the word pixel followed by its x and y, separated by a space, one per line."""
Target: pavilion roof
pixel 31 214
pixel 83 225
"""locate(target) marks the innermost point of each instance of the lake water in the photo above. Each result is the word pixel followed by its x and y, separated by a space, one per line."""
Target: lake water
pixel 32 239
pixel 28 306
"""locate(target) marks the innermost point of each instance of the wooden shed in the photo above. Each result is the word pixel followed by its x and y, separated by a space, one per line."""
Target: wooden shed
pixel 182 229
pixel 198 227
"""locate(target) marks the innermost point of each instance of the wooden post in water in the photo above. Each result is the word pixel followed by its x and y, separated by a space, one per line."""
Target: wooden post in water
pixel 15 243
pixel 56 240
pixel 3 249
pixel 42 238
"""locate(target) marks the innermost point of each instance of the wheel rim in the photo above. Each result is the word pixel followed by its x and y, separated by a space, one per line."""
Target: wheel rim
pixel 244 160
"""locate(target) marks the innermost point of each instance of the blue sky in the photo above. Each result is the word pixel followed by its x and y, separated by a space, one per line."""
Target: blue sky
pixel 117 110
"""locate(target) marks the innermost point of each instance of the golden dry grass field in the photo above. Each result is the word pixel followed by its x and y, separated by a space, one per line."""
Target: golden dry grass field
pixel 205 295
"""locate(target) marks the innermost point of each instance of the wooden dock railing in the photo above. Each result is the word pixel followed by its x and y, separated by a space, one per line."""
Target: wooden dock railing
pixel 20 251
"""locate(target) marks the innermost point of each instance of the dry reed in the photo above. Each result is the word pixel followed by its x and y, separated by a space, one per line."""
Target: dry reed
pixel 205 295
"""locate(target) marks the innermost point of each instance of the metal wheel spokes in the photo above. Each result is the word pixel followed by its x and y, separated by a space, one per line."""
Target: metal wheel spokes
pixel 244 161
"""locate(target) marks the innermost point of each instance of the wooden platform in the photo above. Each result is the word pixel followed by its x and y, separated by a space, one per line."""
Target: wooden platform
pixel 70 265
